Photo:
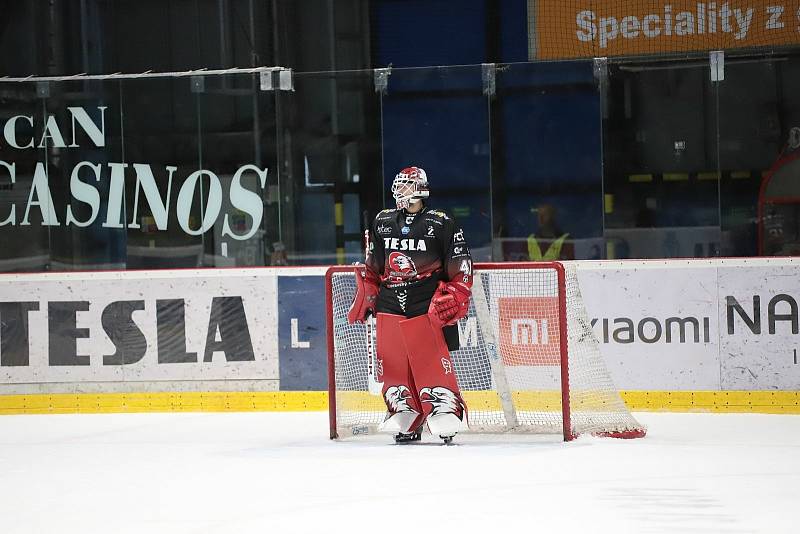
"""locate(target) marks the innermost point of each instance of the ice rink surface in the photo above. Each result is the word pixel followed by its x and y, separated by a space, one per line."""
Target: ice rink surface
pixel 278 472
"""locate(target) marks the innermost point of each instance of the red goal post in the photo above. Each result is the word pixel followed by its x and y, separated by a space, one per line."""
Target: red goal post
pixel 529 361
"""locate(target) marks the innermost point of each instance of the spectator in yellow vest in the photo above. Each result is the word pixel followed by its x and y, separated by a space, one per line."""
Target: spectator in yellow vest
pixel 548 231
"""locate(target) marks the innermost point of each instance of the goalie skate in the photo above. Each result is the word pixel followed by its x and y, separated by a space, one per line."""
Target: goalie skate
pixel 408 437
pixel 445 424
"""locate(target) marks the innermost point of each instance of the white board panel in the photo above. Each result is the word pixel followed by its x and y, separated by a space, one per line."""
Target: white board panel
pixel 657 327
pixel 759 316
pixel 139 326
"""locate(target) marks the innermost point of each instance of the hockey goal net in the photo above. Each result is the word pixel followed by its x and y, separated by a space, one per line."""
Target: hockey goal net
pixel 529 360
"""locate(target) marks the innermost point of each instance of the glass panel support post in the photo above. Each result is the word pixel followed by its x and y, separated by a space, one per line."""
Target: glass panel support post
pixel 382 80
pixel 488 77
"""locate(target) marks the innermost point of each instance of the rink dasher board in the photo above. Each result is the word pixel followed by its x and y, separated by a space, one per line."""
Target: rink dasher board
pixel 766 402
pixel 632 302
pixel 697 325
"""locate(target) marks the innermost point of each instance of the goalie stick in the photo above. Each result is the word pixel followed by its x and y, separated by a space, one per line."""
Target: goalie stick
pixel 373 386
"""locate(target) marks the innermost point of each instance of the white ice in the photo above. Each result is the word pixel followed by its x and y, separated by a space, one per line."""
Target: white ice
pixel 278 472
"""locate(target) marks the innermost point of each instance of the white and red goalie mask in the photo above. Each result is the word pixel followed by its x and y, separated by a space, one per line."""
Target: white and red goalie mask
pixel 409 187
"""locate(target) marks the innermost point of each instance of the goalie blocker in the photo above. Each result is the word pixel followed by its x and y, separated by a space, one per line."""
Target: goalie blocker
pixel 529 361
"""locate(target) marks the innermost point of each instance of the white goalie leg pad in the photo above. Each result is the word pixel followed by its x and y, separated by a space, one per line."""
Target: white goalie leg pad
pixel 446 424
pixel 399 422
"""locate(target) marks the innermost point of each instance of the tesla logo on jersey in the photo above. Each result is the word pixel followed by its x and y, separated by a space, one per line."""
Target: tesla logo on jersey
pixel 395 243
pixel 401 265
pixel 529 330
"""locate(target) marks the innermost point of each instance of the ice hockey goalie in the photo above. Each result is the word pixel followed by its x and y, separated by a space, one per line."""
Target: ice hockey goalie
pixel 417 282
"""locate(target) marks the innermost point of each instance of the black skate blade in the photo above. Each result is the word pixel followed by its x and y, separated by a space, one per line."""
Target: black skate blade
pixel 404 439
pixel 423 444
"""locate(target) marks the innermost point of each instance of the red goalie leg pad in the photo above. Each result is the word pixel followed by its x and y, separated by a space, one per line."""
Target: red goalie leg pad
pixel 399 391
pixel 433 370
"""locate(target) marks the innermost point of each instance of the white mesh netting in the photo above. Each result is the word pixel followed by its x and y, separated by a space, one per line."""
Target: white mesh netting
pixel 509 363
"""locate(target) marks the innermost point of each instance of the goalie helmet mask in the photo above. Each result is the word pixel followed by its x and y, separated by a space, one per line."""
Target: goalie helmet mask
pixel 409 187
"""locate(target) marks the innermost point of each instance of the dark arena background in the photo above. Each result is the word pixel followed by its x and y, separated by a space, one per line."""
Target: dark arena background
pixel 184 183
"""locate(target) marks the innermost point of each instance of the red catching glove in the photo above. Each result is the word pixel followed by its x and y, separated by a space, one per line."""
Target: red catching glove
pixel 450 303
pixel 365 298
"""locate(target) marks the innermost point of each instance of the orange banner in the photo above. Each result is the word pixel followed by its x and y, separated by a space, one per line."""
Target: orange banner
pixel 597 28
pixel 529 330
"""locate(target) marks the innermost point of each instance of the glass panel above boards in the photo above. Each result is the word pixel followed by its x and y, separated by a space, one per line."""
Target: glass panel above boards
pixel 660 160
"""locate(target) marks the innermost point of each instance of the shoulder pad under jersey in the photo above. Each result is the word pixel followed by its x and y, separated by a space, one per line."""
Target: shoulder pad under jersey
pixel 387 211
pixel 438 214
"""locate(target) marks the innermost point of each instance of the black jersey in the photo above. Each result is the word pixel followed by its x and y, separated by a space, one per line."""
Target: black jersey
pixel 407 250
pixel 409 254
